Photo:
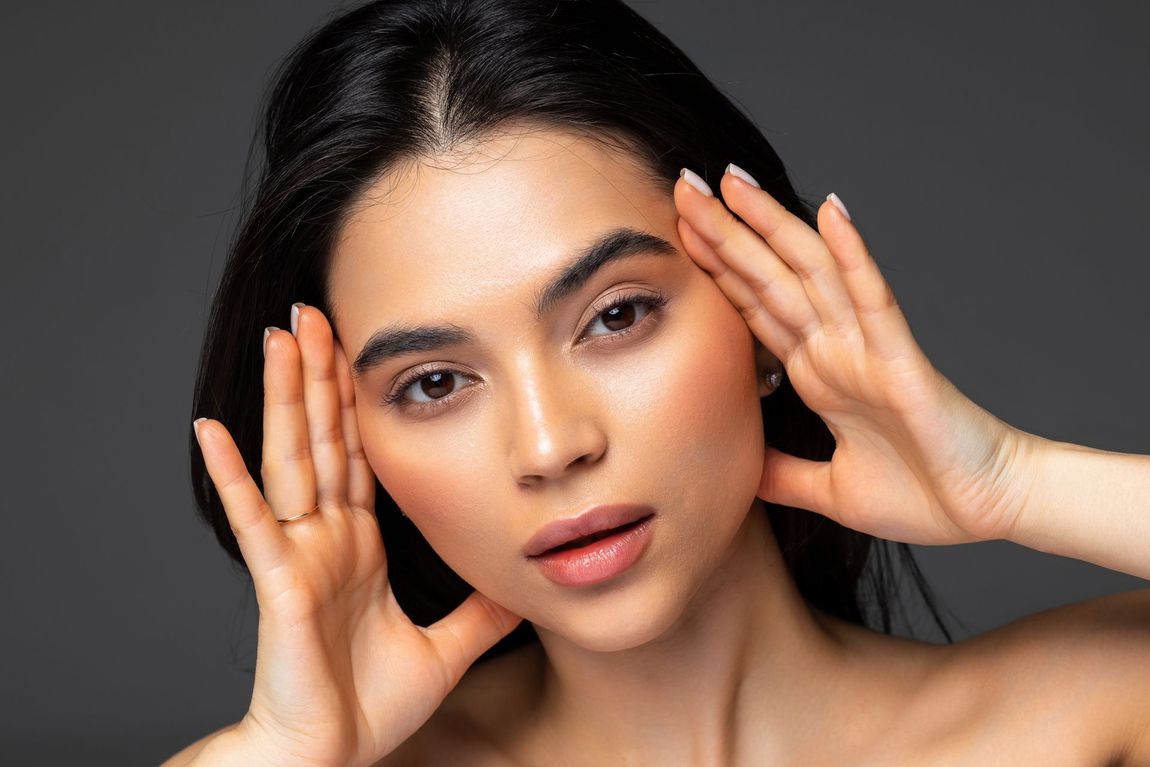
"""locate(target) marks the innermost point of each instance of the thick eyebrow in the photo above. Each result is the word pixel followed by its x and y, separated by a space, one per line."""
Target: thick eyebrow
pixel 614 245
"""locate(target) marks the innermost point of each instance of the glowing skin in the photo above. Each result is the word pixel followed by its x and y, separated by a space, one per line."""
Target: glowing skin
pixel 638 386
pixel 667 414
pixel 703 646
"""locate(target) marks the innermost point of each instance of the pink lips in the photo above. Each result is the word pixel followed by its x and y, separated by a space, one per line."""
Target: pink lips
pixel 594 520
pixel 621 535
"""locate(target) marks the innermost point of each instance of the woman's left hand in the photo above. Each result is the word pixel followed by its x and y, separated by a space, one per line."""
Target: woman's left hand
pixel 915 460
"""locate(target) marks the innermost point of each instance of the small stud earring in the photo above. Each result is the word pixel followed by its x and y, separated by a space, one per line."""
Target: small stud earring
pixel 773 380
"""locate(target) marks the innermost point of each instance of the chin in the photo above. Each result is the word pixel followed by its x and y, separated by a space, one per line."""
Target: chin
pixel 657 597
pixel 599 636
pixel 631 618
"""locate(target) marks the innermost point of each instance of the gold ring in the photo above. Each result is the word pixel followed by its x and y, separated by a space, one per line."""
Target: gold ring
pixel 298 516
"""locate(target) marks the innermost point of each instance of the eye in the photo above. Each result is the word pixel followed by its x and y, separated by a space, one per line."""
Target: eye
pixel 620 317
pixel 437 384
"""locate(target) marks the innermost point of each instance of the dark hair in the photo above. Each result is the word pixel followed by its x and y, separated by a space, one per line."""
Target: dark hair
pixel 397 80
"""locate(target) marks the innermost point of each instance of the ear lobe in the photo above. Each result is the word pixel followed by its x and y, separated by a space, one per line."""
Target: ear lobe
pixel 770 383
pixel 764 360
pixel 768 370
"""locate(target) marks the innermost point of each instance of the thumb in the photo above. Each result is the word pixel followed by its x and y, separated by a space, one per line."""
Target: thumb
pixel 791 481
pixel 460 637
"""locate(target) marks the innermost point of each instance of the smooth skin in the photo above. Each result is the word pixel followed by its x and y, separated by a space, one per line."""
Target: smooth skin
pixel 343 677
pixel 917 461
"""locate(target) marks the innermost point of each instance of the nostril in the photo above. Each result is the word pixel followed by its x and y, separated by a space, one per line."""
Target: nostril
pixel 548 443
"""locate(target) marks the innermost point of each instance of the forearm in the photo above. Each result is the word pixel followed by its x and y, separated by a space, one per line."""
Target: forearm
pixel 1087 504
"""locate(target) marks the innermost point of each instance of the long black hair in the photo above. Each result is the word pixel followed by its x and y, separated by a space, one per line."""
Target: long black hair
pixel 396 80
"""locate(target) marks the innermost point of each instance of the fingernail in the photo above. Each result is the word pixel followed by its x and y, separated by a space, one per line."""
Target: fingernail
pixel 267 332
pixel 839 204
pixel 295 316
pixel 196 425
pixel 735 170
pixel 695 180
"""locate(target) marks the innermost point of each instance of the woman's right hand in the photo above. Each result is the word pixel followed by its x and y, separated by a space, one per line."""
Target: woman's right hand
pixel 342 675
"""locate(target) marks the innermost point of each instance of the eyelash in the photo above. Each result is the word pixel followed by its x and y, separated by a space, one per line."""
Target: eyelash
pixel 654 304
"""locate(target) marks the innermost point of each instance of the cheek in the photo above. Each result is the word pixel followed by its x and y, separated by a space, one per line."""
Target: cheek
pixel 719 442
pixel 436 476
pixel 681 416
pixel 699 403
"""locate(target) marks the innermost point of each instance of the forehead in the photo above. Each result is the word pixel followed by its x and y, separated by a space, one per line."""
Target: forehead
pixel 438 238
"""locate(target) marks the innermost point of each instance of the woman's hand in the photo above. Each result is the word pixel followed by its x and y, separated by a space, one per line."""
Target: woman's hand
pixel 915 460
pixel 342 675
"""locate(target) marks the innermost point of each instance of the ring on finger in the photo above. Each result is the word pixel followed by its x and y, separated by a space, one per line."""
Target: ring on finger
pixel 298 516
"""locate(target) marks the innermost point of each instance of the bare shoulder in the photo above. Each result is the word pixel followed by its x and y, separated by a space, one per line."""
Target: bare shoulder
pixel 1068 685
pixel 1065 686
pixel 473 725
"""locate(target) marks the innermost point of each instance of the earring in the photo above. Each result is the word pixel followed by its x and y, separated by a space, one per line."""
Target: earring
pixel 773 380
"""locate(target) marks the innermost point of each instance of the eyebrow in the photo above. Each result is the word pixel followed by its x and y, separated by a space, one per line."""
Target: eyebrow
pixel 612 246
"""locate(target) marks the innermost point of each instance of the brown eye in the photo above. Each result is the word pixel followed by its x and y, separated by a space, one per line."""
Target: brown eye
pixel 438 384
pixel 624 314
pixel 619 316
pixel 425 388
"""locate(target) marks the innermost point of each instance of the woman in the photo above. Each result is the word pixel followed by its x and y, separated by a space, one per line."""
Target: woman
pixel 510 310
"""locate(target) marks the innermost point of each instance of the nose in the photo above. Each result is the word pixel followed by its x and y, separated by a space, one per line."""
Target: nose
pixel 553 425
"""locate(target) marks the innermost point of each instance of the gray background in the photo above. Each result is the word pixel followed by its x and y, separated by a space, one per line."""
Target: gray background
pixel 991 153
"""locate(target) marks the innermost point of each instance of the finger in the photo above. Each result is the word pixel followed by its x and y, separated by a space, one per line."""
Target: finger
pixel 361 478
pixel 749 256
pixel 801 247
pixel 470 629
pixel 775 336
pixel 883 324
pixel 321 404
pixel 260 538
pixel 798 482
pixel 287 471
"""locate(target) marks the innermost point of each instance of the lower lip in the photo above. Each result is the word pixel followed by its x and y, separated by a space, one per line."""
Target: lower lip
pixel 597 561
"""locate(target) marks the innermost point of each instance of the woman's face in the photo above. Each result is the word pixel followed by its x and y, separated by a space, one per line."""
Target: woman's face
pixel 532 419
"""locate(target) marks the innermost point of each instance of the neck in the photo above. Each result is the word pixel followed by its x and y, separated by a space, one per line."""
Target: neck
pixel 742 671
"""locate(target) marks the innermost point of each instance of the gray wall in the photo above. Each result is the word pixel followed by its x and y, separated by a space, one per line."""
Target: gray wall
pixel 991 153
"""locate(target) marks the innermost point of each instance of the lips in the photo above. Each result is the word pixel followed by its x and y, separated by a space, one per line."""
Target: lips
pixel 597 522
pixel 584 540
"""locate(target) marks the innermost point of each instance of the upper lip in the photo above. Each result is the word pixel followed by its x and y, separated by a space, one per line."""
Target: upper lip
pixel 593 520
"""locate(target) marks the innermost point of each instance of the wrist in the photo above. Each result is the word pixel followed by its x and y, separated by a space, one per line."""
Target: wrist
pixel 241 745
pixel 1038 470
pixel 1025 457
pixel 248 744
pixel 230 746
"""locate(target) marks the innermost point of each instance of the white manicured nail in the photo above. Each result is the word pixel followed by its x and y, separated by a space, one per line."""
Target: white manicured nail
pixel 839 204
pixel 295 316
pixel 735 170
pixel 695 180
pixel 267 332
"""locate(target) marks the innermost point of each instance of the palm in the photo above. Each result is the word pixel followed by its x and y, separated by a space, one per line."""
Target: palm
pixel 336 637
pixel 915 460
pixel 342 675
pixel 902 461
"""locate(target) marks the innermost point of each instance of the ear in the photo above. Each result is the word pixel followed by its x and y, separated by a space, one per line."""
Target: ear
pixel 765 364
